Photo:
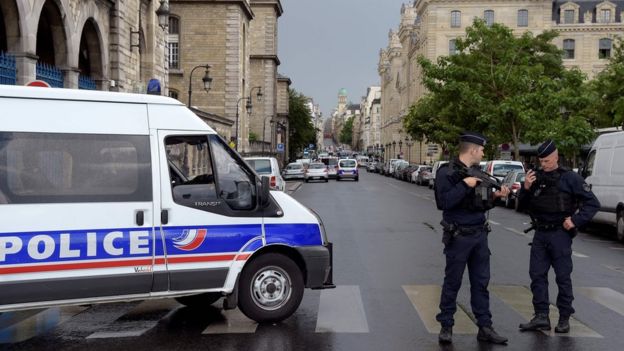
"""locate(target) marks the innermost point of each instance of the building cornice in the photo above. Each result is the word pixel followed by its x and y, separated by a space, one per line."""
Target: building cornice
pixel 589 27
pixel 277 4
pixel 244 4
pixel 274 58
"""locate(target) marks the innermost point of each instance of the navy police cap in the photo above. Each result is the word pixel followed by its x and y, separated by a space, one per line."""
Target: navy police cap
pixel 547 148
pixel 473 137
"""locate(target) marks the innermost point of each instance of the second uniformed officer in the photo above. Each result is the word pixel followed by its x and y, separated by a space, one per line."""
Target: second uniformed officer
pixel 464 200
pixel 553 195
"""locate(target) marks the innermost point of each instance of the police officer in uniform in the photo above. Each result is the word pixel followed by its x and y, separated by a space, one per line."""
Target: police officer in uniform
pixel 559 201
pixel 464 201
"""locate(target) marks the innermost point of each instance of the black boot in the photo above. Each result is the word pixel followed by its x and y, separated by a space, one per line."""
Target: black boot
pixel 539 322
pixel 490 335
pixel 446 335
pixel 563 326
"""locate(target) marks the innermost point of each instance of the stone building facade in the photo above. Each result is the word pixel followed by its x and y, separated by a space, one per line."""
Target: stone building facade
pixel 86 44
pixel 371 123
pixel 238 39
pixel 429 27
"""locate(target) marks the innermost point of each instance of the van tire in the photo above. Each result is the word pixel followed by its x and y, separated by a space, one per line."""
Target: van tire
pixel 270 271
pixel 357 179
pixel 619 231
pixel 337 179
pixel 199 300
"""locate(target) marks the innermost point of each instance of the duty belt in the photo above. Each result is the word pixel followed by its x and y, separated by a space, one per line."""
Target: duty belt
pixel 473 229
pixel 547 227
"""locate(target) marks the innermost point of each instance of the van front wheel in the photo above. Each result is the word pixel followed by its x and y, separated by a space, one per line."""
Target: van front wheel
pixel 620 225
pixel 271 288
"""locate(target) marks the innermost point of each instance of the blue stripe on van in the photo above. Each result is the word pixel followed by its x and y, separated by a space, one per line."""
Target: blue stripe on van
pixel 293 234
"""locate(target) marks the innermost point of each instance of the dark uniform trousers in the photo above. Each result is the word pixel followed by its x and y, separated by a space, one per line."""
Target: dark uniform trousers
pixel 472 251
pixel 551 248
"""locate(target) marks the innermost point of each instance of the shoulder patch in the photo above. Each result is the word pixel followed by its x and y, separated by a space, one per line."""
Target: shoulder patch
pixel 586 187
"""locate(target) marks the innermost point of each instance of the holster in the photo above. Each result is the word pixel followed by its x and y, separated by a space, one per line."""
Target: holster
pixel 450 232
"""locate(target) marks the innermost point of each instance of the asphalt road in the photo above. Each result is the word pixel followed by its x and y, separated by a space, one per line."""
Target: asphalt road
pixel 388 266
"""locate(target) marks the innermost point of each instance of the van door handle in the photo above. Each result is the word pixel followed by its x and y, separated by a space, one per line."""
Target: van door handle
pixel 140 218
pixel 164 217
pixel 186 196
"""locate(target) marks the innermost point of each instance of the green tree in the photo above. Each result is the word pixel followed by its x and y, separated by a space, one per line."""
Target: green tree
pixel 608 89
pixel 510 88
pixel 300 124
pixel 253 136
pixel 346 134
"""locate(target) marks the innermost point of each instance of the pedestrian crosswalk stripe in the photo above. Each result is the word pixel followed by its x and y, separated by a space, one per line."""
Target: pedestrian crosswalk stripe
pixel 519 298
pixel 137 321
pixel 341 311
pixel 607 297
pixel 20 329
pixel 234 322
pixel 426 299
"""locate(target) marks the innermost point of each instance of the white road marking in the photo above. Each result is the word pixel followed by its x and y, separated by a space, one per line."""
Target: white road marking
pixel 235 322
pixel 139 320
pixel 495 223
pixel 425 299
pixel 607 297
pixel 341 311
pixel 519 298
pixel 516 231
pixel 578 254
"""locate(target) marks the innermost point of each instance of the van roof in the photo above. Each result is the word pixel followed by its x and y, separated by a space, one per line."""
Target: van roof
pixel 83 95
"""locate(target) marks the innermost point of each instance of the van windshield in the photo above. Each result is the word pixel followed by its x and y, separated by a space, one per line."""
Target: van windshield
pixel 261 166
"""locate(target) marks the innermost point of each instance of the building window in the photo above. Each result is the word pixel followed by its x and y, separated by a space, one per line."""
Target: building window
pixel 455 19
pixel 568 16
pixel 173 94
pixel 568 49
pixel 488 16
pixel 604 48
pixel 452 47
pixel 523 18
pixel 173 43
pixel 605 15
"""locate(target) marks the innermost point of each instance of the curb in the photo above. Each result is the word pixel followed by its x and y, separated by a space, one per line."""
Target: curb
pixel 294 188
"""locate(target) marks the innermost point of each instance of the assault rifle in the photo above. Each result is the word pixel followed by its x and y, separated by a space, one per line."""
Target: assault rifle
pixel 484 178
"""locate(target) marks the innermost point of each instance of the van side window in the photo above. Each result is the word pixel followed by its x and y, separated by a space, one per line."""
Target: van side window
pixel 236 183
pixel 70 168
pixel 190 170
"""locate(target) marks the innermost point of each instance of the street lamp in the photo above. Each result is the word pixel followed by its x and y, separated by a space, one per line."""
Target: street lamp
pixel 409 143
pixel 393 148
pixel 401 148
pixel 206 79
pixel 248 107
pixel 163 14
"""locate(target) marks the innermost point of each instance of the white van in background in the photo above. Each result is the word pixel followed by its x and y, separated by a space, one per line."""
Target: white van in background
pixel 268 166
pixel 604 172
pixel 114 197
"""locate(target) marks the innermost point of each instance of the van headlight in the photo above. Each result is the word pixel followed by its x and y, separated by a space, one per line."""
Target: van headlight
pixel 321 226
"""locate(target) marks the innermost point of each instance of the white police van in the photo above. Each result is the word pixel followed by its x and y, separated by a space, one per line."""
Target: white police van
pixel 113 197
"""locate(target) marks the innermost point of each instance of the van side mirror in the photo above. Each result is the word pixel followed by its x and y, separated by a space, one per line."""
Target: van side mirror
pixel 264 192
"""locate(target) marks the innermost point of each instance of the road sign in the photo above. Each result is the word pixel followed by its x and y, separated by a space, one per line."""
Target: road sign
pixel 38 83
pixel 280 147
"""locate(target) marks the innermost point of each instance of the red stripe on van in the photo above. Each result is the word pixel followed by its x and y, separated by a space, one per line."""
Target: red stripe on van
pixel 123 263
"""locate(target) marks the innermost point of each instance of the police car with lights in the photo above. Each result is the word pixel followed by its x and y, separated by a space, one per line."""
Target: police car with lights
pixel 113 197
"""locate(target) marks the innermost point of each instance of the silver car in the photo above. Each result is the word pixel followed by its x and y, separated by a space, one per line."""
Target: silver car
pixel 316 171
pixel 294 170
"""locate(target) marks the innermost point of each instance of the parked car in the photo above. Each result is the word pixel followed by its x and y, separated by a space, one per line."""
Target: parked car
pixel 372 167
pixel 513 180
pixel 316 170
pixel 416 176
pixel 294 170
pixel 389 168
pixel 500 168
pixel 425 176
pixel 268 166
pixel 434 169
pixel 399 166
pixel 362 161
pixel 406 173
pixel 347 168
pixel 604 172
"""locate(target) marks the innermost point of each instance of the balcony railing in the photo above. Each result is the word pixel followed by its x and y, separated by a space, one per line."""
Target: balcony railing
pixel 7 69
pixel 50 74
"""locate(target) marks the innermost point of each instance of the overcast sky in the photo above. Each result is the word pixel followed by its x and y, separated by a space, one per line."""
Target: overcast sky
pixel 325 45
